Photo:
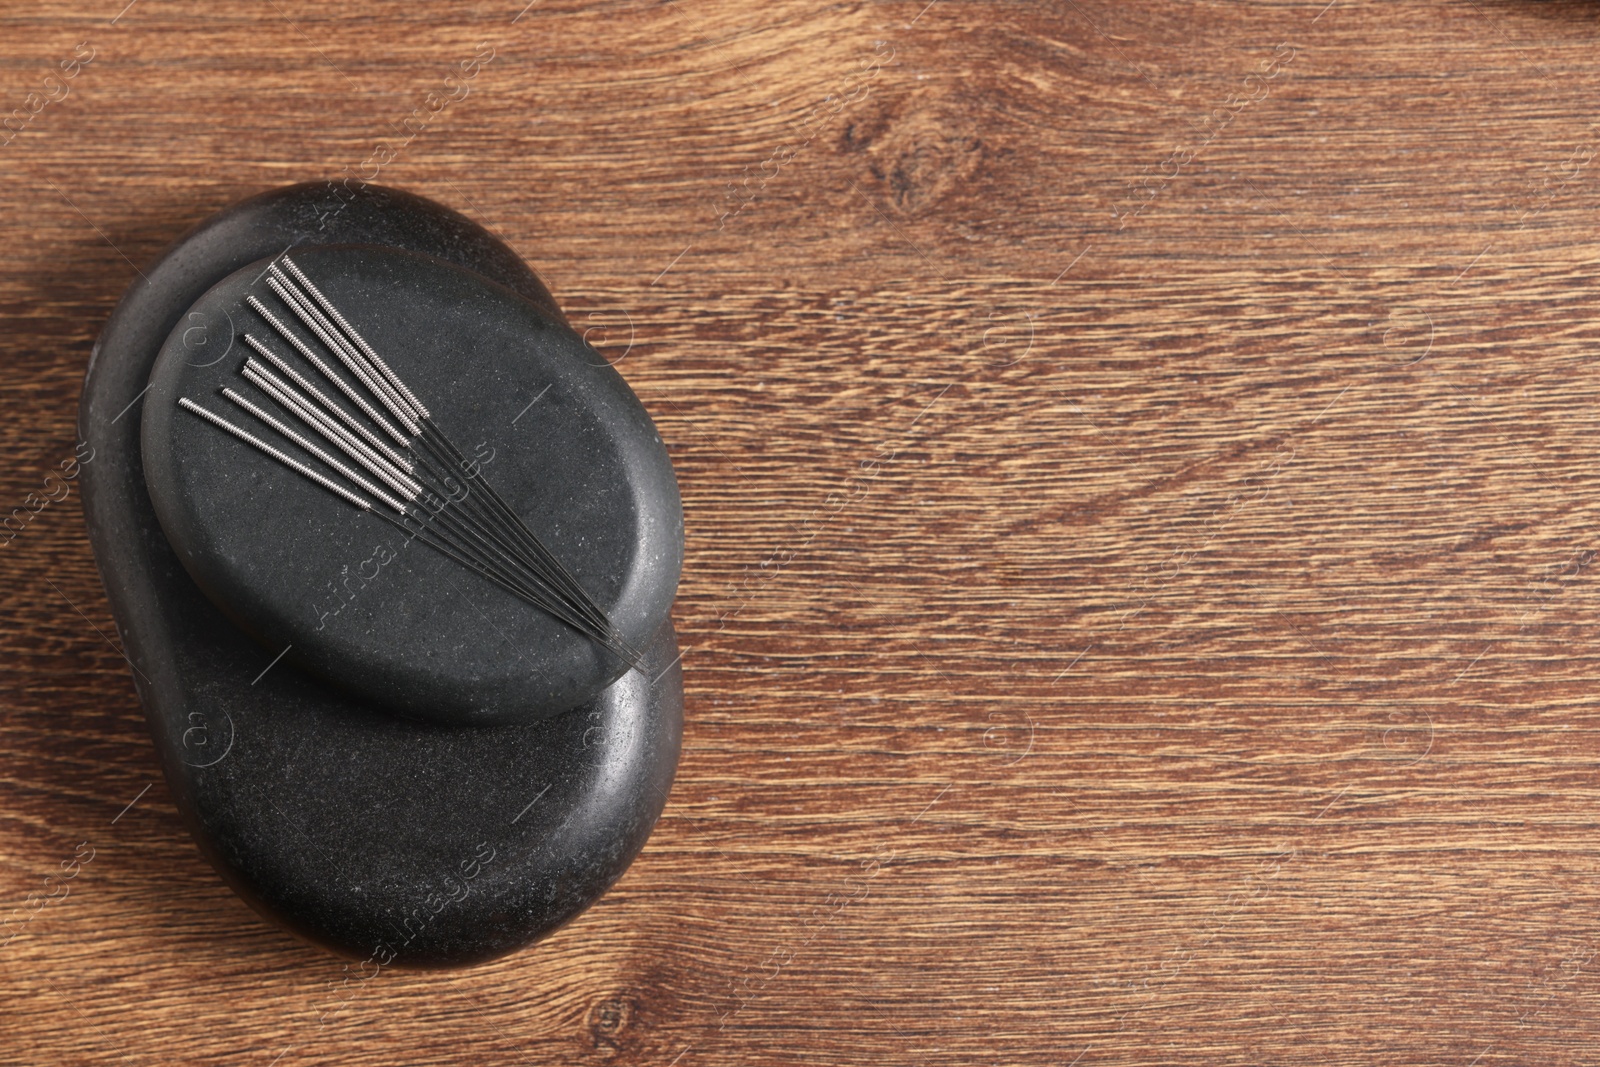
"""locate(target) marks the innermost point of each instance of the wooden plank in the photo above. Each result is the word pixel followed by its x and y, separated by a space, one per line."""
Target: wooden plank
pixel 1137 466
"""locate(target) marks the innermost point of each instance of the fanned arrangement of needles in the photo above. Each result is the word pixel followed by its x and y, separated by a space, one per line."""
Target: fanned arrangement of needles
pixel 399 466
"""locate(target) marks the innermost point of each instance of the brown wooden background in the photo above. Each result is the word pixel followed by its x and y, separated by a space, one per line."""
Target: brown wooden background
pixel 1113 638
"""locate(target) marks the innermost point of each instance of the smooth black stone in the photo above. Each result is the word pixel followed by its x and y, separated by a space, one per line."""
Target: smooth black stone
pixel 343 822
pixel 565 442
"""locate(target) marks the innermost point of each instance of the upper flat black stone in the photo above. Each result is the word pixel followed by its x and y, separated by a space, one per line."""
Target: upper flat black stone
pixel 554 429
pixel 390 840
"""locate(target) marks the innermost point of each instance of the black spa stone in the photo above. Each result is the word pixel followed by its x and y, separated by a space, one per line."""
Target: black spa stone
pixel 546 421
pixel 384 838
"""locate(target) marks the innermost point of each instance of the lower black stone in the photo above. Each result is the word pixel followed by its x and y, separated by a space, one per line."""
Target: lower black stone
pixel 386 840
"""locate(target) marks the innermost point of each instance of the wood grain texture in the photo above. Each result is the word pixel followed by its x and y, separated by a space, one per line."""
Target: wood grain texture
pixel 1142 553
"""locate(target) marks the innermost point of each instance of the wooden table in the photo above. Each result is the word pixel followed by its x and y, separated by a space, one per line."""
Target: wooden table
pixel 1138 467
